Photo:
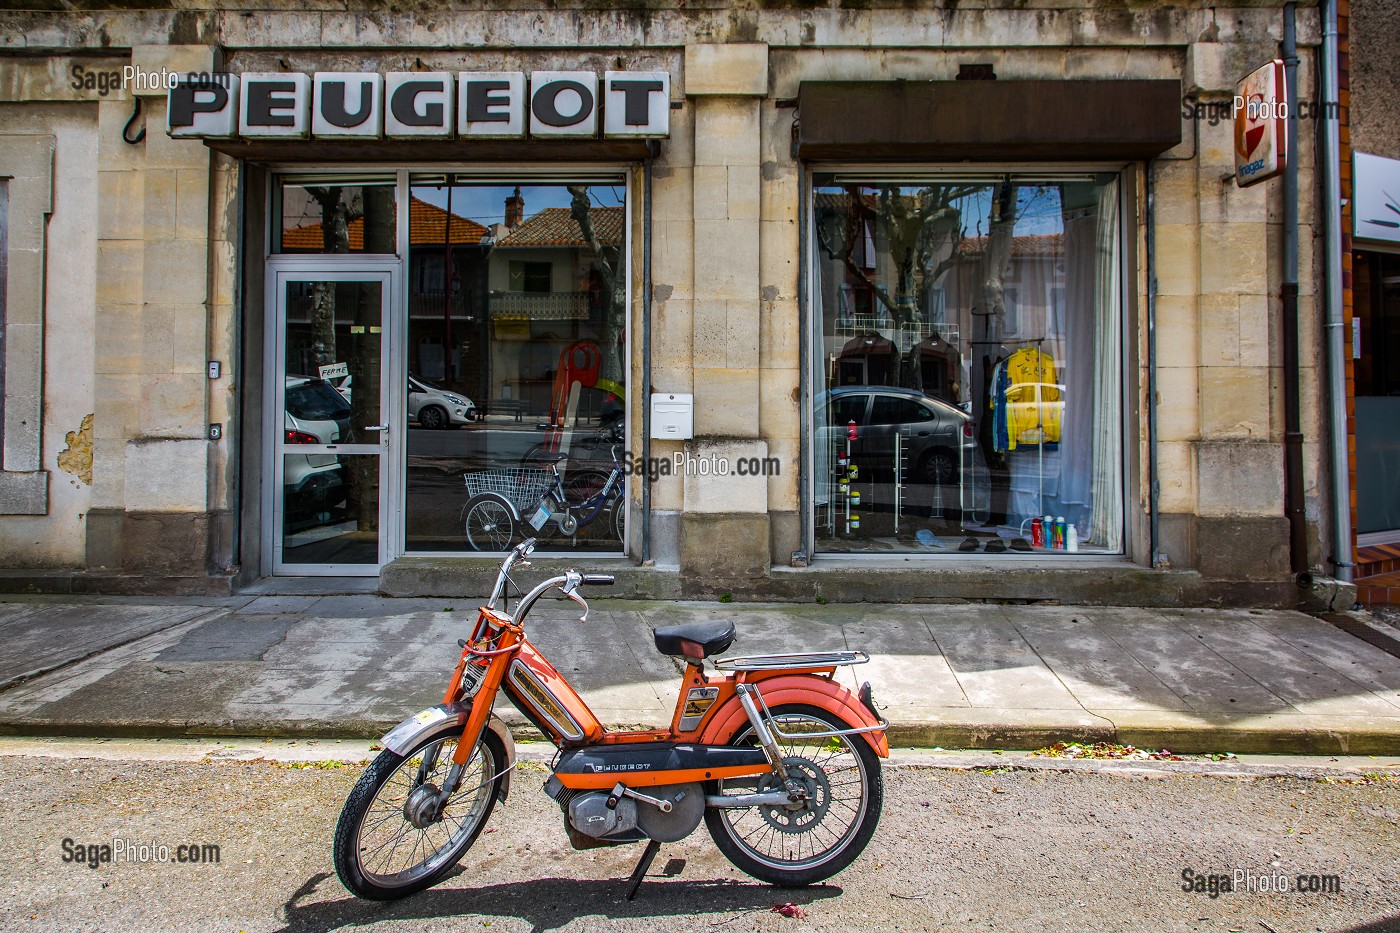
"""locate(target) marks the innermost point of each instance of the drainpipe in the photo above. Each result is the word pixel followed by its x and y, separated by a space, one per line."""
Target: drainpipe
pixel 646 352
pixel 1330 165
pixel 1293 427
pixel 1154 486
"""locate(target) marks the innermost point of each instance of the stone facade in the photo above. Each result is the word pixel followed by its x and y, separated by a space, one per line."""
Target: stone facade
pixel 145 281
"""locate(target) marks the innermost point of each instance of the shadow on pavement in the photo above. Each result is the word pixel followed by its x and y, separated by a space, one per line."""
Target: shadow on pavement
pixel 546 903
pixel 1384 925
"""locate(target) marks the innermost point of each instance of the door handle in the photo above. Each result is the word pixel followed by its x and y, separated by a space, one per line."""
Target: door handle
pixel 376 427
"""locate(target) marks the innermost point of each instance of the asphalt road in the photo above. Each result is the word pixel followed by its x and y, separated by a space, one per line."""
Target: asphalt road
pixel 956 849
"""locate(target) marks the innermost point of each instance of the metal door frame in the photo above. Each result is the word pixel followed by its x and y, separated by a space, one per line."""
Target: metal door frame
pixel 388 271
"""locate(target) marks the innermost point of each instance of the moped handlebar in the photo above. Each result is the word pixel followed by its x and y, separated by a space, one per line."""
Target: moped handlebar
pixel 599 579
pixel 518 553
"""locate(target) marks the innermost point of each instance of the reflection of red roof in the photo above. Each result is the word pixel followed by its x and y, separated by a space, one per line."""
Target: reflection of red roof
pixel 555 226
pixel 427 225
pixel 1039 244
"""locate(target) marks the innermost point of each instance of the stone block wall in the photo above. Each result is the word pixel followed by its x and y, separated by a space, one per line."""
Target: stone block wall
pixel 156 264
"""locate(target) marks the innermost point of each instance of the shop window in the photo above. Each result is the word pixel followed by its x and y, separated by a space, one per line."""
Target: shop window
pixel 1377 406
pixel 978 322
pixel 334 214
pixel 4 290
pixel 518 345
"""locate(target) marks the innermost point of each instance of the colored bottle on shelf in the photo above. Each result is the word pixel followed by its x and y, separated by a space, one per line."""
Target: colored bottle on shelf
pixel 1060 532
pixel 851 431
pixel 1072 539
pixel 1037 532
pixel 855 497
pixel 853 472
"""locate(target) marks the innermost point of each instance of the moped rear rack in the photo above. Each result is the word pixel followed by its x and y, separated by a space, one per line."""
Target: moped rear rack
pixel 770 662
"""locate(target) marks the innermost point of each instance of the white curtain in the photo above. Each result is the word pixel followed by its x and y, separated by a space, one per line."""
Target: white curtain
pixel 1106 526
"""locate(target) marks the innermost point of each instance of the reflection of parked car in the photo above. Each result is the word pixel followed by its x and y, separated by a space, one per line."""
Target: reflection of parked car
pixel 937 435
pixel 315 414
pixel 436 408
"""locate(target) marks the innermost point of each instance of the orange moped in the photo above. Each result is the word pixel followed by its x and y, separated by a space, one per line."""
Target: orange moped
pixel 780 762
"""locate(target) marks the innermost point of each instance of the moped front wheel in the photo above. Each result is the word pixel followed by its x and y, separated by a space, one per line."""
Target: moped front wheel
pixel 392 839
pixel 807 842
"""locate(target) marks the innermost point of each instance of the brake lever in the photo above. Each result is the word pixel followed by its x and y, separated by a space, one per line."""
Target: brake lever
pixel 573 594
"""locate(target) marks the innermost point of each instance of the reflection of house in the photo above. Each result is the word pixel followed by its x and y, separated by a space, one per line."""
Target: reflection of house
pixel 443 299
pixel 546 290
pixel 863 337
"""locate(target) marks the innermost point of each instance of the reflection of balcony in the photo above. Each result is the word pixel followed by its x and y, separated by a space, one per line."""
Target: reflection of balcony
pixel 426 305
pixel 554 306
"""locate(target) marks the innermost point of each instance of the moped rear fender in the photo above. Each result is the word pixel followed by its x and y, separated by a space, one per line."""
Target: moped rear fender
pixel 401 739
pixel 806 689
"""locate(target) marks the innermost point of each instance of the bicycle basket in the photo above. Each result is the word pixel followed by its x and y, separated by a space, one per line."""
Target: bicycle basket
pixel 524 487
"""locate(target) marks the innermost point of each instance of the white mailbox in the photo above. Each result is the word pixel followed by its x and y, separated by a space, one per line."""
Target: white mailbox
pixel 672 416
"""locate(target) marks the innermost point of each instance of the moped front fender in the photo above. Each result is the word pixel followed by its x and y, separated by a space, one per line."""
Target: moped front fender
pixel 402 738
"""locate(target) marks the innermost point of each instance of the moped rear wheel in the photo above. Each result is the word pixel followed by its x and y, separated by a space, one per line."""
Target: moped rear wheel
pixel 389 842
pixel 809 842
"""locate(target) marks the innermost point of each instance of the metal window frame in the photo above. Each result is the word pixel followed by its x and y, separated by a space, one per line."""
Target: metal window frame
pixel 393 476
pixel 4 290
pixel 914 174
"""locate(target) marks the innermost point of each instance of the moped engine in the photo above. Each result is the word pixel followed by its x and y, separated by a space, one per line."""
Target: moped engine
pixel 589 814
pixel 687 810
pixel 591 822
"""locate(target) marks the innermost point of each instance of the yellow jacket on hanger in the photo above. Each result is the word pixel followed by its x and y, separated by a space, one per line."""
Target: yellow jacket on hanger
pixel 1034 401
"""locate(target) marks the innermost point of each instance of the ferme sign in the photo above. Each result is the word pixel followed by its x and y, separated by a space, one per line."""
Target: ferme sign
pixel 421 105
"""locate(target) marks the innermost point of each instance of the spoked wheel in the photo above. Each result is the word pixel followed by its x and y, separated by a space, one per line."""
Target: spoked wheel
pixel 487 524
pixel 392 840
pixel 802 843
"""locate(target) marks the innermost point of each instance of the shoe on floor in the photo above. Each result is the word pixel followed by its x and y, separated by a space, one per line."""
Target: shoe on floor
pixel 1020 544
pixel 969 544
pixel 996 546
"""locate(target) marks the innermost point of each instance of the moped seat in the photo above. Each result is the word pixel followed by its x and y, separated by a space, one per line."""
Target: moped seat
pixel 708 637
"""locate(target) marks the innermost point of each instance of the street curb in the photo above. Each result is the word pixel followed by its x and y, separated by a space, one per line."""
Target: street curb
pixel 1203 739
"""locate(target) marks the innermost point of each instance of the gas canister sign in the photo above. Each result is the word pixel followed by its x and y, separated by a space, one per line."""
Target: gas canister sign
pixel 1261 125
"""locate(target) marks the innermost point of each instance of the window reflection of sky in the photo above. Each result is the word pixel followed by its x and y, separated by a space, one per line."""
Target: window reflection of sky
pixel 486 204
pixel 1038 207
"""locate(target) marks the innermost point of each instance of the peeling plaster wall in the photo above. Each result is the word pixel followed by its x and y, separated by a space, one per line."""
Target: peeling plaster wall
pixel 57 539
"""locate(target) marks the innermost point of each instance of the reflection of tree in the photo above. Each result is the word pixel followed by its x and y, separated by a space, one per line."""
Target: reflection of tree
pixel 337 213
pixel 923 231
pixel 374 204
pixel 611 271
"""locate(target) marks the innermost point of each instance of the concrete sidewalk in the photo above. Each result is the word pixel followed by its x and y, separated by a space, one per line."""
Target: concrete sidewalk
pixel 956 676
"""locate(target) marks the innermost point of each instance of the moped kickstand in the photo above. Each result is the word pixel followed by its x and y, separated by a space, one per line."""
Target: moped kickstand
pixel 643 866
